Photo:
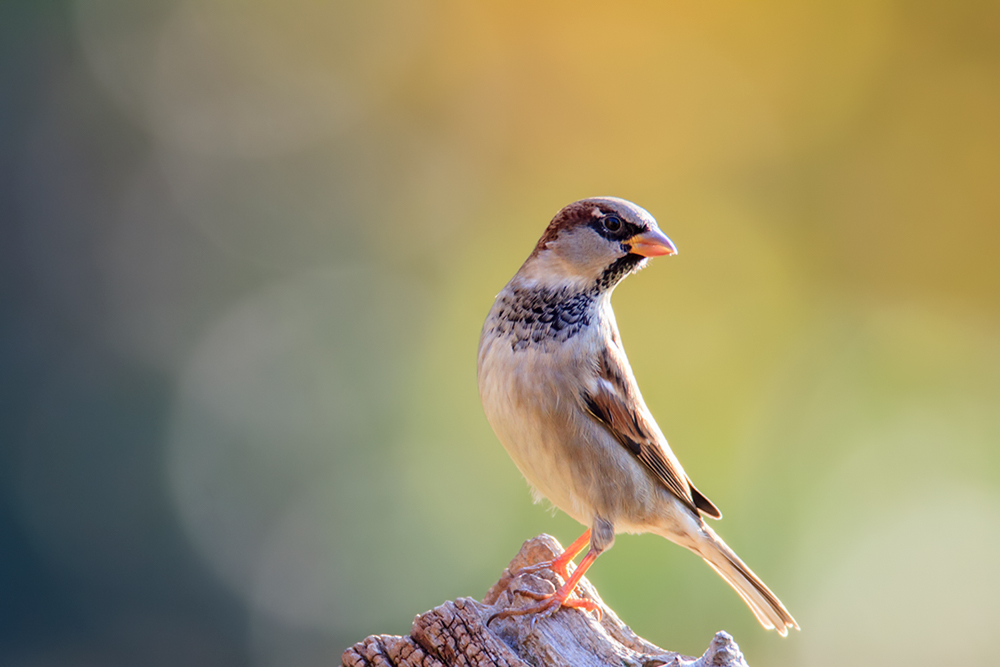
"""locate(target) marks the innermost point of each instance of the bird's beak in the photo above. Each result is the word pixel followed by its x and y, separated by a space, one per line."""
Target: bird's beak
pixel 651 244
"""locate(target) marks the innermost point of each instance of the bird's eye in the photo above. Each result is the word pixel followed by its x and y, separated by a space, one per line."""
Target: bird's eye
pixel 612 223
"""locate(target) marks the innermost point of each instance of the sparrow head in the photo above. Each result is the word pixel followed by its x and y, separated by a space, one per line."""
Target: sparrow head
pixel 595 243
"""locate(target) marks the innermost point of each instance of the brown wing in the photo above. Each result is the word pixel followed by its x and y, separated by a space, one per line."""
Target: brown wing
pixel 617 405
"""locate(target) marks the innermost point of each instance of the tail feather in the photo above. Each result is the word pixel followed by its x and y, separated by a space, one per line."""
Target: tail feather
pixel 762 602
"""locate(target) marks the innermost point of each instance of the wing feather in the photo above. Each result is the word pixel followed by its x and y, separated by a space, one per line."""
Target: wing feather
pixel 616 403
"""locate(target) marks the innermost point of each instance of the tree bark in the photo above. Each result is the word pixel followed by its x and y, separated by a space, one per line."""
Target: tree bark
pixel 455 634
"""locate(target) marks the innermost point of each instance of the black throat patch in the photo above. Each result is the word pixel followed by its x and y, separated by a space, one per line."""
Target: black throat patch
pixel 538 315
pixel 530 316
pixel 620 268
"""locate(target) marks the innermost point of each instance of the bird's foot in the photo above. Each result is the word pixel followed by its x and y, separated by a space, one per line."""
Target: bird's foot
pixel 550 599
pixel 558 565
pixel 586 605
pixel 548 604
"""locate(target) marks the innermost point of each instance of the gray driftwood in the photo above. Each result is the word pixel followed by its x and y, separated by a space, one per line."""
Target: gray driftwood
pixel 456 634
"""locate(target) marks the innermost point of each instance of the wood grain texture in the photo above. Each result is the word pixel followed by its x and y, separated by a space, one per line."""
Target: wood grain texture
pixel 455 634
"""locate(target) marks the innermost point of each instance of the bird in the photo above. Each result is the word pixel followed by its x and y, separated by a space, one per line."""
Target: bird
pixel 560 395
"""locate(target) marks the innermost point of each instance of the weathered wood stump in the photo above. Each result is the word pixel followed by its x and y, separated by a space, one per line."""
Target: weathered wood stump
pixel 456 634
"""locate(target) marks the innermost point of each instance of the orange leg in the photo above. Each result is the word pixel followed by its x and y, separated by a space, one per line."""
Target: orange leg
pixel 560 564
pixel 550 603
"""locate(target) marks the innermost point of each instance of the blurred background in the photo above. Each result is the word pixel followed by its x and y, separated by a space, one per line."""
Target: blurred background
pixel 247 248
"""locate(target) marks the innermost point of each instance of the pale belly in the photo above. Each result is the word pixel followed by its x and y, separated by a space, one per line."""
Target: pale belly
pixel 531 399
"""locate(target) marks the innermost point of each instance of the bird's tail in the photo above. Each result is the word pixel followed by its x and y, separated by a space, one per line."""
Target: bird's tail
pixel 762 602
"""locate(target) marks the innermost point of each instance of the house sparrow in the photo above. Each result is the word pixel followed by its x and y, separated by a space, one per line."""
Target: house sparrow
pixel 560 395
